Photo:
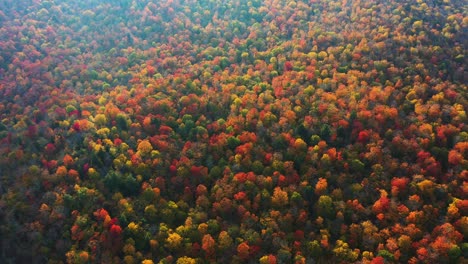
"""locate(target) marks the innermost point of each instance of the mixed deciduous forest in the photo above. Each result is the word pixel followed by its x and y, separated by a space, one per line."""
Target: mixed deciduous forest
pixel 215 131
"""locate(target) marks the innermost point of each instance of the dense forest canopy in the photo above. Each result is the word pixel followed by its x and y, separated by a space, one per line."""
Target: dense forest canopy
pixel 139 131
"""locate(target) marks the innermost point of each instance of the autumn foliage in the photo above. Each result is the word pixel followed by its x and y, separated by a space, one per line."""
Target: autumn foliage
pixel 233 131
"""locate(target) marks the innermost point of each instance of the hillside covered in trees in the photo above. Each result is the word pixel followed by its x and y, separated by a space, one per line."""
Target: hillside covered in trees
pixel 215 131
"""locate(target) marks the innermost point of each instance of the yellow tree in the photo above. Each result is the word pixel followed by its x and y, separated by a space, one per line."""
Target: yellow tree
pixel 279 198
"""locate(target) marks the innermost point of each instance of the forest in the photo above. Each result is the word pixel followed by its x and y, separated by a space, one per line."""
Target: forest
pixel 216 131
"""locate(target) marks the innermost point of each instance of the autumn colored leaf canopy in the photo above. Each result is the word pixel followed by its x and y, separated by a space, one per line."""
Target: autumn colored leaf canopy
pixel 215 131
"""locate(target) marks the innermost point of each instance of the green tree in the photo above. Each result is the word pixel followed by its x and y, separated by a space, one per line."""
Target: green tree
pixel 324 207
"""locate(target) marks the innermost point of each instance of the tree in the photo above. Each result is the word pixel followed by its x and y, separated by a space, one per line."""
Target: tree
pixel 208 245
pixel 268 259
pixel 174 241
pixel 243 250
pixel 279 198
pixel 144 148
pixel 343 252
pixel 224 240
pixel 321 186
pixel 314 249
pixel 186 260
pixel 324 207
